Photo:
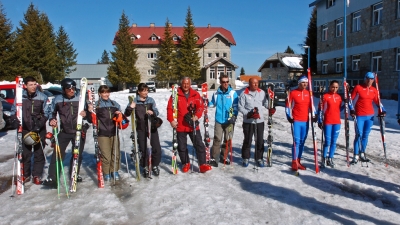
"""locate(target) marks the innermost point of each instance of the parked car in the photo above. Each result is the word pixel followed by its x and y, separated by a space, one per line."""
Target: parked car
pixel 279 89
pixel 151 85
pixel 194 86
pixel 11 119
pixel 55 90
pixel 133 89
pixel 50 96
pixel 7 92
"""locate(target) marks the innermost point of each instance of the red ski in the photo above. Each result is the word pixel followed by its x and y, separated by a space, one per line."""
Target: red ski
pixel 204 89
pixel 313 115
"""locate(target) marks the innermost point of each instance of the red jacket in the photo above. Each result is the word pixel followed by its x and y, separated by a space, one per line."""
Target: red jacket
pixel 366 96
pixel 331 104
pixel 183 108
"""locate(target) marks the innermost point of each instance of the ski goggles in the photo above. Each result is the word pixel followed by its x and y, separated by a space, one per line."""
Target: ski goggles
pixel 70 87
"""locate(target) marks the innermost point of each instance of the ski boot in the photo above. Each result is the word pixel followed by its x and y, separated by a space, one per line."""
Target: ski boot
pixel 204 168
pixel 300 166
pixel 107 177
pixel 330 162
pixel 324 162
pixel 260 163
pixel 355 160
pixel 186 168
pixel 156 170
pixel 245 162
pixel 363 157
pixel 145 172
pixel 213 163
pixel 227 161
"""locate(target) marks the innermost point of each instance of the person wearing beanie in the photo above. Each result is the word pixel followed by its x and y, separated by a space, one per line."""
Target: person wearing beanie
pixel 364 95
pixel 298 106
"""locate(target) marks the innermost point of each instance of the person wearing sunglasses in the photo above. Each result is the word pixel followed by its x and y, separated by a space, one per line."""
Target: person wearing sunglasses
pixel 364 95
pixel 66 106
pixel 224 99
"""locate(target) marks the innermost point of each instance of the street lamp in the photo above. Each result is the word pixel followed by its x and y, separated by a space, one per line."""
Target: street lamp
pixel 308 55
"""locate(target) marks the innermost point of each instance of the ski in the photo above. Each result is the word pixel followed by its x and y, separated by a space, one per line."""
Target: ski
pixel 20 165
pixel 174 138
pixel 381 120
pixel 270 138
pixel 148 144
pixel 135 150
pixel 75 151
pixel 204 89
pixel 312 123
pixel 97 154
pixel 346 120
pixel 289 107
pixel 255 168
pixel 228 143
pixel 321 116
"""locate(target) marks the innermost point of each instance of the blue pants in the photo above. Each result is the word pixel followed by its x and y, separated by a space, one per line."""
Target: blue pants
pixel 364 124
pixel 300 130
pixel 331 133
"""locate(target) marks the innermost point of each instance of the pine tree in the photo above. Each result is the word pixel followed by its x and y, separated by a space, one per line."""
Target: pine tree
pixel 242 72
pixel 289 50
pixel 311 40
pixel 35 45
pixel 66 54
pixel 164 64
pixel 7 65
pixel 105 59
pixel 188 60
pixel 122 67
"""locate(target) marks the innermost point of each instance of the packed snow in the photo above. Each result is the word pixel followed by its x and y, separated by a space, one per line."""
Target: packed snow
pixel 231 195
pixel 293 62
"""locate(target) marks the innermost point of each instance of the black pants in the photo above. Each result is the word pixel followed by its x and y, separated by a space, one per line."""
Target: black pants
pixel 155 148
pixel 248 131
pixel 38 156
pixel 197 143
pixel 63 140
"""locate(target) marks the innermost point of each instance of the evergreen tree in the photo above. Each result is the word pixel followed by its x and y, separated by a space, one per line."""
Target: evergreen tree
pixel 122 67
pixel 36 48
pixel 311 40
pixel 105 59
pixel 66 54
pixel 289 50
pixel 242 71
pixel 164 64
pixel 7 66
pixel 188 60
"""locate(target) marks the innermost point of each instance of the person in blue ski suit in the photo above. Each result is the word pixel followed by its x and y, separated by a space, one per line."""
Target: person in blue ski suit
pixel 223 100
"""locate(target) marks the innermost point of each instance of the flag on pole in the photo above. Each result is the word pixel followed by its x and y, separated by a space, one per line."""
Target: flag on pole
pixel 348 3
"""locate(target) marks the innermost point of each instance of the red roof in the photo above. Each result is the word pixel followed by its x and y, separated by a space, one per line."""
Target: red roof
pixel 143 34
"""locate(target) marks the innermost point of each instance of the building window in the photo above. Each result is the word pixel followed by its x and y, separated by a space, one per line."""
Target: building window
pixel 377 13
pixel 339 65
pixel 339 27
pixel 324 32
pixel 331 3
pixel 153 38
pixel 196 38
pixel 217 40
pixel 398 9
pixel 278 65
pixel 376 61
pixel 132 38
pixel 324 67
pixel 216 55
pixel 229 71
pixel 398 59
pixel 356 21
pixel 151 72
pixel 175 38
pixel 224 55
pixel 151 55
pixel 270 65
pixel 355 62
pixel 212 73
pixel 209 55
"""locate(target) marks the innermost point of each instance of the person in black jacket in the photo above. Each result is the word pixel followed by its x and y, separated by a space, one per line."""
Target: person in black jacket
pixel 145 107
pixel 66 106
pixel 107 112
pixel 34 116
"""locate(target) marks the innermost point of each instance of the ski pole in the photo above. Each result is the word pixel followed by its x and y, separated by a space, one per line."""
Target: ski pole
pixel 15 158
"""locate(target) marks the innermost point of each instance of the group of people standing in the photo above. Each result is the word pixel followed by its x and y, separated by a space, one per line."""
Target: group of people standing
pixel 251 103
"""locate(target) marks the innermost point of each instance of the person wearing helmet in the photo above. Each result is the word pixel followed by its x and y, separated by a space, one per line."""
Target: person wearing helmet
pixel 33 130
pixel 145 107
pixel 365 95
pixel 66 106
pixel 108 113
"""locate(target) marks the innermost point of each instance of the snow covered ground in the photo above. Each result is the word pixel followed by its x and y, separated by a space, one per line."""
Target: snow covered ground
pixel 234 195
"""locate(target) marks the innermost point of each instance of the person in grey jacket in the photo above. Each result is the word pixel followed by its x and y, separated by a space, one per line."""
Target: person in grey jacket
pixel 251 103
pixel 2 122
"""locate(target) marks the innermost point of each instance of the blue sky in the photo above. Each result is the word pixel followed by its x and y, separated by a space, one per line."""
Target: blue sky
pixel 260 27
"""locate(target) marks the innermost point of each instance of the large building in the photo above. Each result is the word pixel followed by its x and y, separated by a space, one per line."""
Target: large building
pixel 373 41
pixel 214 50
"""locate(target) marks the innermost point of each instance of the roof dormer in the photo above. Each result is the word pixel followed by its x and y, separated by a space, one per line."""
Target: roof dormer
pixel 154 37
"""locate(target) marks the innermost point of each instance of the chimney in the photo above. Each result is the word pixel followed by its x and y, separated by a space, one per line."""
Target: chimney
pixel 134 25
pixel 152 24
pixel 169 24
pixel 209 25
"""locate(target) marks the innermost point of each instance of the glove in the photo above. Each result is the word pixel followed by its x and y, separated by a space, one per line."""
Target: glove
pixel 188 119
pixel 352 113
pixel 382 114
pixel 291 120
pixel 232 120
pixel 320 125
pixel 314 119
pixel 253 114
pixel 272 111
pixel 37 124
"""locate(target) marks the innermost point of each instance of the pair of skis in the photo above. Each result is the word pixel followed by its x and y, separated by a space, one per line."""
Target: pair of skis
pixel 270 138
pixel 204 89
pixel 228 143
pixel 135 150
pixel 174 163
pixel 381 120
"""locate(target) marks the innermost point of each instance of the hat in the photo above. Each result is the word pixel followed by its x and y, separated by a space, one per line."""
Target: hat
pixel 369 75
pixel 302 78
